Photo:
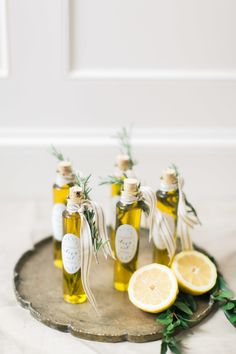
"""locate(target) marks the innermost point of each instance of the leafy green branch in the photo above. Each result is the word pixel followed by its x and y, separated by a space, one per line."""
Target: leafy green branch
pixel 89 214
pixel 179 315
pixel 223 296
pixel 83 182
pixel 124 139
pixel 113 180
pixel 189 205
pixel 59 156
pixel 191 209
pixel 144 207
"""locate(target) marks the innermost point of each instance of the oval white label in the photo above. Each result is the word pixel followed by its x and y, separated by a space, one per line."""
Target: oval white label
pixel 71 253
pixel 126 243
pixel 158 241
pixel 57 220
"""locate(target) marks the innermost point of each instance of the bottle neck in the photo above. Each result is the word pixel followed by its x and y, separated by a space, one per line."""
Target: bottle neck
pixel 64 180
pixel 74 206
pixel 167 187
pixel 128 198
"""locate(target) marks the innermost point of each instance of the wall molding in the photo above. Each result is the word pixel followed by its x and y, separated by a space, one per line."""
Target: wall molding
pixel 129 74
pixel 201 137
pixel 165 75
pixel 4 49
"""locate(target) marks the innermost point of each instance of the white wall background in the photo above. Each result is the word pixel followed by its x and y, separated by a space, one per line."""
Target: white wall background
pixel 73 71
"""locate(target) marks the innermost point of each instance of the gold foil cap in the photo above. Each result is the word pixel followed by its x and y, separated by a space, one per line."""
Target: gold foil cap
pixel 169 176
pixel 123 162
pixel 64 168
pixel 131 185
pixel 76 194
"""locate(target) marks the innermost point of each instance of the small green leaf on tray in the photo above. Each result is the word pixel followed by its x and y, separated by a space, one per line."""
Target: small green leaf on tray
pixel 183 307
pixel 228 306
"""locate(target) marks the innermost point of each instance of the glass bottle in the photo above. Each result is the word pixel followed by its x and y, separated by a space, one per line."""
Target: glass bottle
pixel 122 171
pixel 167 204
pixel 127 234
pixel 65 179
pixel 72 284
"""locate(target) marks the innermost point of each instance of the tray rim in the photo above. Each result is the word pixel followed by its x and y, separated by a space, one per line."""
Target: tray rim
pixel 68 328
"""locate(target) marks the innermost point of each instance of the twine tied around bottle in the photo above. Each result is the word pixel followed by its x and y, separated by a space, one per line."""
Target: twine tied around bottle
pixel 65 174
pixel 86 244
pixel 186 218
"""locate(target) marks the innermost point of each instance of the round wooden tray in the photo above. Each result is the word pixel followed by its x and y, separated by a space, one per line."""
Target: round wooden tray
pixel 38 287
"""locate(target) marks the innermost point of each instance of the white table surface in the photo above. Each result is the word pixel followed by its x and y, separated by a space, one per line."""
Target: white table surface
pixel 23 224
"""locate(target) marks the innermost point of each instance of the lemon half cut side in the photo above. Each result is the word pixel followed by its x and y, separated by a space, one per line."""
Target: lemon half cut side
pixel 195 272
pixel 153 288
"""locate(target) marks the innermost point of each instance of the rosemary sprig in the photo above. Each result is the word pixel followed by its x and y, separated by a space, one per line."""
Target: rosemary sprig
pixel 83 182
pixel 113 180
pixel 124 139
pixel 144 207
pixel 191 209
pixel 97 244
pixel 189 205
pixel 57 153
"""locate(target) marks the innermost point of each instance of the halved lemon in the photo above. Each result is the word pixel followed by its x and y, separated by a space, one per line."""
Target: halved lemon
pixel 153 288
pixel 195 272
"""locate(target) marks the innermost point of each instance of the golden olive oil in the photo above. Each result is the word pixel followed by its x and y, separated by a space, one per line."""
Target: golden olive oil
pixel 65 180
pixel 72 284
pixel 115 196
pixel 167 204
pixel 127 237
pixel 123 165
pixel 60 195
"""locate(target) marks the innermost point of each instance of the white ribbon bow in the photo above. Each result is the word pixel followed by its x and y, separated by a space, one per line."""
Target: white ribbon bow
pixel 186 220
pixel 149 198
pixel 166 234
pixel 157 221
pixel 87 244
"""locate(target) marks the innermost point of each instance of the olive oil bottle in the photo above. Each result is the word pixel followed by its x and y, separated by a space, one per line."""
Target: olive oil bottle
pixel 122 171
pixel 65 179
pixel 127 234
pixel 167 204
pixel 72 283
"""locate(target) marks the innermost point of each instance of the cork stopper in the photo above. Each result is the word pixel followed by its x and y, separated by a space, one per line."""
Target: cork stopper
pixel 123 162
pixel 131 185
pixel 169 176
pixel 64 168
pixel 76 194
